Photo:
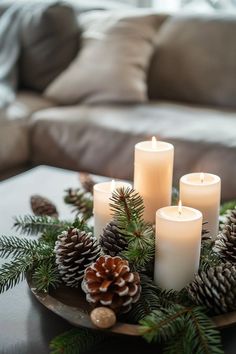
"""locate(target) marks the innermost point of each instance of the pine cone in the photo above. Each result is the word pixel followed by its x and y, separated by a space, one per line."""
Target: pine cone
pixel 87 182
pixel 81 200
pixel 231 217
pixel 42 206
pixel 75 251
pixel 215 288
pixel 109 282
pixel 112 241
pixel 225 243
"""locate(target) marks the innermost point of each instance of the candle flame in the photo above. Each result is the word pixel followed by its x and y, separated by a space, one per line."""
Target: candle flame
pixel 180 207
pixel 202 177
pixel 154 143
pixel 113 185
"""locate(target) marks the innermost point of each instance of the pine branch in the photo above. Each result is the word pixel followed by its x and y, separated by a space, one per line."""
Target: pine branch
pixel 200 332
pixel 46 275
pixel 33 225
pixel 148 301
pixel 81 200
pixel 75 341
pixel 209 258
pixel 13 272
pixel 141 245
pixel 16 246
pixel 127 206
pixel 196 328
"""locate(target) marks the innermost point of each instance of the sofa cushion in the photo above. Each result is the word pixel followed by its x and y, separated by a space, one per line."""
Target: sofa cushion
pixel 14 129
pixel 101 139
pixel 113 62
pixel 50 40
pixel 195 60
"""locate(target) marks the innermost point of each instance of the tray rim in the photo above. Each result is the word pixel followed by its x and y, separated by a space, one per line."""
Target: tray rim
pixel 79 318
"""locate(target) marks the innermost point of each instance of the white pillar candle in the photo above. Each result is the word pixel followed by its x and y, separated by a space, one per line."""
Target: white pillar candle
pixel 153 172
pixel 102 193
pixel 202 191
pixel 178 245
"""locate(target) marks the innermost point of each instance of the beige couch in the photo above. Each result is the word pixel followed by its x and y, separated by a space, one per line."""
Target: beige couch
pixel 192 104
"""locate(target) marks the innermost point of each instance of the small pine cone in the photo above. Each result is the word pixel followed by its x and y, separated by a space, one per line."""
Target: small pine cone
pixel 109 282
pixel 225 243
pixel 112 241
pixel 82 202
pixel 42 206
pixel 75 250
pixel 87 182
pixel 215 288
pixel 231 217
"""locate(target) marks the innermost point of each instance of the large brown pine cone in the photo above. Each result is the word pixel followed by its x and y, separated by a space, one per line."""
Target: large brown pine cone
pixel 215 288
pixel 112 241
pixel 75 250
pixel 225 243
pixel 109 282
pixel 42 206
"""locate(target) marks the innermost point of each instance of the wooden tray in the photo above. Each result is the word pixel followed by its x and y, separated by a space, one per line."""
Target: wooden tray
pixel 71 305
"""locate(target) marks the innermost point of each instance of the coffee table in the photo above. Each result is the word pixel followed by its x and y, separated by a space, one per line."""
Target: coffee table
pixel 26 327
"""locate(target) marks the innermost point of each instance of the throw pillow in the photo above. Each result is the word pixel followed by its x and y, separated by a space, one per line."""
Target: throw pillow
pixel 113 62
pixel 50 41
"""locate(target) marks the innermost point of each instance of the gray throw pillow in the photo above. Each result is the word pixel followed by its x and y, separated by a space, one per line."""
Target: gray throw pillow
pixel 50 41
pixel 113 62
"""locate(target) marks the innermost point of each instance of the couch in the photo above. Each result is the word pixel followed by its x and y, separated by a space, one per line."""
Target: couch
pixel 192 104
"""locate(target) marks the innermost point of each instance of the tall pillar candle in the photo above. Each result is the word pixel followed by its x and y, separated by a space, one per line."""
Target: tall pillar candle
pixel 202 191
pixel 178 245
pixel 153 172
pixel 102 193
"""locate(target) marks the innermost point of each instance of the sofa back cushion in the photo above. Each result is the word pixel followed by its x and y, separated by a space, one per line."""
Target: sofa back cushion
pixel 195 61
pixel 50 41
pixel 113 62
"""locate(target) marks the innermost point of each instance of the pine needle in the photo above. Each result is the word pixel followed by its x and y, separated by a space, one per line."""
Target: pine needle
pixel 75 341
pixel 33 225
pixel 46 275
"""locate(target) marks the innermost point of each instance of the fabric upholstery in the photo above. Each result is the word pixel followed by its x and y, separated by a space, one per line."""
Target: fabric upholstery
pixel 50 40
pixel 195 60
pixel 101 139
pixel 113 62
pixel 15 131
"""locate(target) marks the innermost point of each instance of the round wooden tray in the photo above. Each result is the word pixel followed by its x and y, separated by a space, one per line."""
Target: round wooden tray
pixel 71 305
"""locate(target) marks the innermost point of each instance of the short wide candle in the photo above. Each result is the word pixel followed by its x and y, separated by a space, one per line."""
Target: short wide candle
pixel 102 193
pixel 202 191
pixel 178 245
pixel 153 171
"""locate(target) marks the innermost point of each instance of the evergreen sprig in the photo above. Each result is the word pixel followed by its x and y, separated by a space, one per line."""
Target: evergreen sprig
pixel 194 328
pixel 11 273
pixel 75 341
pixel 209 258
pixel 27 254
pixel 149 301
pixel 46 276
pixel 16 246
pixel 33 225
pixel 127 207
